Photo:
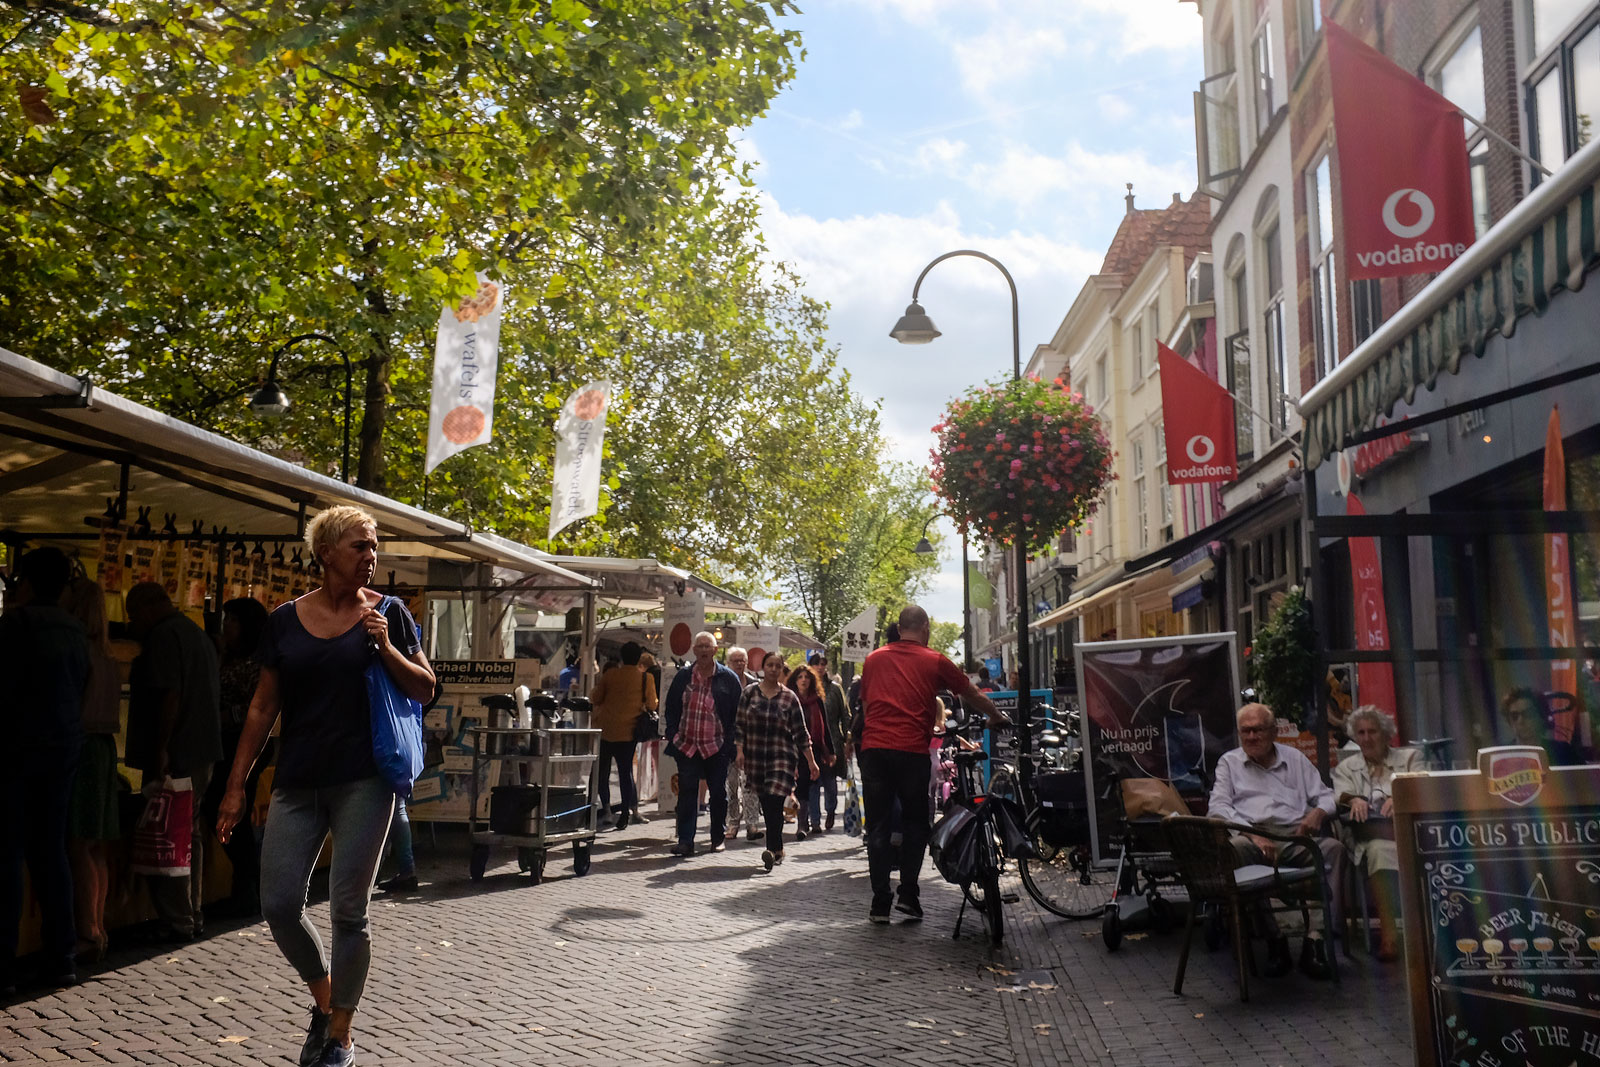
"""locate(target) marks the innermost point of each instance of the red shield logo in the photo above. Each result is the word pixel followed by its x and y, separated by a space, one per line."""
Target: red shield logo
pixel 1515 777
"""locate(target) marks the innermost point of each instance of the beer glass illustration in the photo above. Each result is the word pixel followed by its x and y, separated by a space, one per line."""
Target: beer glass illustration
pixel 1519 946
pixel 1570 946
pixel 1544 946
pixel 1467 947
pixel 1494 947
pixel 1594 946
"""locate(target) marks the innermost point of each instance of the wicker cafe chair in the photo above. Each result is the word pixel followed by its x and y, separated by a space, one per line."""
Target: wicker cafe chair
pixel 1206 865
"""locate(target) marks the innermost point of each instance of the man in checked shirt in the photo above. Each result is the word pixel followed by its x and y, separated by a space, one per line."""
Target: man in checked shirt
pixel 700 706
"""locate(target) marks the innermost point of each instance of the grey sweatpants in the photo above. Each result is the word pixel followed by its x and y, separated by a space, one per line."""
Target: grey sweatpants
pixel 356 815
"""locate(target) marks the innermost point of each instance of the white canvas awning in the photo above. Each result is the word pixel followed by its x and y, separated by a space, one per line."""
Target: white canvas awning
pixel 68 448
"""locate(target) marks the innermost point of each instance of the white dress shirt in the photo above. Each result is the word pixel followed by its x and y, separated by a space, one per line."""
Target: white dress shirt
pixel 1279 794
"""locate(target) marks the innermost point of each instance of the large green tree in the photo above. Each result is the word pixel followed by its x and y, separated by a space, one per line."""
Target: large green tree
pixel 184 185
pixel 858 548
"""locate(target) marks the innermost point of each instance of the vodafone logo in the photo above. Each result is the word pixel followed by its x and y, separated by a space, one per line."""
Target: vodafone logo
pixel 1200 448
pixel 1420 201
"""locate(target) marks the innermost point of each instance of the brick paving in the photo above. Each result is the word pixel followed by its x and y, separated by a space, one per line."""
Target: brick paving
pixel 707 961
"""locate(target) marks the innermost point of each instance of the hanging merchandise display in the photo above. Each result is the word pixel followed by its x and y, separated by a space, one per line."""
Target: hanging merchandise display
pixel 278 576
pixel 237 579
pixel 260 569
pixel 110 567
pixel 169 561
pixel 297 576
pixel 196 569
pixel 142 550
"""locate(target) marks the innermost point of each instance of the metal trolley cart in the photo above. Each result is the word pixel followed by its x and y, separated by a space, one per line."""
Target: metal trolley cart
pixel 553 805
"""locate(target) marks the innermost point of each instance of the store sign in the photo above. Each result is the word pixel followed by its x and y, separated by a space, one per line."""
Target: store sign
pixel 1353 465
pixel 1509 967
pixel 1156 708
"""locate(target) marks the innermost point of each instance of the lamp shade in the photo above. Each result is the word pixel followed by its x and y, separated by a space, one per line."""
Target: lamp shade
pixel 269 400
pixel 923 548
pixel 914 327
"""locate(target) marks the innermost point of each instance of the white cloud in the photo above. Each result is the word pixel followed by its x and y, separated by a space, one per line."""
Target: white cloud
pixel 1114 107
pixel 940 154
pixel 1095 180
pixel 852 121
pixel 1005 54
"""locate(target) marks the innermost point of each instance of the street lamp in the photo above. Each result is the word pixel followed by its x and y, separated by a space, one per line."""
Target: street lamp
pixel 271 400
pixel 916 328
pixel 924 547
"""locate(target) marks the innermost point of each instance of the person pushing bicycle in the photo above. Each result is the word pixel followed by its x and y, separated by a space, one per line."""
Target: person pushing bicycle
pixel 898 684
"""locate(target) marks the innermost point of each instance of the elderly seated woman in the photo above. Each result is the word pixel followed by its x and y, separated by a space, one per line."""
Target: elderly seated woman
pixel 1363 783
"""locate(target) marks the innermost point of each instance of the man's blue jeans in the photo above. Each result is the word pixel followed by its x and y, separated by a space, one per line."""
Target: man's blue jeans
pixel 691 771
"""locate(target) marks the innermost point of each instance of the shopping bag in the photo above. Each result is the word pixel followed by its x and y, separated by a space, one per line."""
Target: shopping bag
pixel 163 840
pixel 852 808
pixel 396 723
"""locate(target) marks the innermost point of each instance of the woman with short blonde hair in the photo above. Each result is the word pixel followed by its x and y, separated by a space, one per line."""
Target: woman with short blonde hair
pixel 1364 786
pixel 314 656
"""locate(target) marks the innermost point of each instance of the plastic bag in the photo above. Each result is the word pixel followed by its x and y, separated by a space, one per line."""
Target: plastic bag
pixel 396 723
pixel 163 840
pixel 852 808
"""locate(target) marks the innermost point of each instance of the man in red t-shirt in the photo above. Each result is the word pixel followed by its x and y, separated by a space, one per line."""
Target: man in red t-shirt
pixel 898 685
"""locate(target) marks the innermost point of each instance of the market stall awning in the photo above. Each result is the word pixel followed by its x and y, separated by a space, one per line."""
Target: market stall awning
pixel 1545 244
pixel 638 584
pixel 68 448
pixel 1073 608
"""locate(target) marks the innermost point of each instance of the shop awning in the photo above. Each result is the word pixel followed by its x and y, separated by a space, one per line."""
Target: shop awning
pixel 640 584
pixel 65 445
pixel 1545 244
pixel 1074 608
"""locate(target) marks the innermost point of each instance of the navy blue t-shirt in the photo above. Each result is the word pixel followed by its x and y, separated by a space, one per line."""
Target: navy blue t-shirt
pixel 326 735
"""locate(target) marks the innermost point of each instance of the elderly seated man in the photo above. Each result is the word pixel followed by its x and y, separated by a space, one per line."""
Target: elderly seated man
pixel 1275 788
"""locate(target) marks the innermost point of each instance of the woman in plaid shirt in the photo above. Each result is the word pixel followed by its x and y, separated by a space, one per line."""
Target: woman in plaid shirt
pixel 770 731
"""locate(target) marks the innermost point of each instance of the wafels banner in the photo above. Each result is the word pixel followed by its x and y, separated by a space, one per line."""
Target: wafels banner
pixel 580 439
pixel 466 359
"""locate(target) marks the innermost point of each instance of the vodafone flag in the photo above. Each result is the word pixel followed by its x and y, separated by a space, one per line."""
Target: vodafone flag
pixel 1198 415
pixel 1404 187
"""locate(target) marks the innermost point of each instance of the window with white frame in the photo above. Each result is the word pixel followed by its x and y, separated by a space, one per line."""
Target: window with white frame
pixel 1274 351
pixel 1163 490
pixel 1136 347
pixel 1236 352
pixel 1102 381
pixel 1324 268
pixel 1561 76
pixel 1455 70
pixel 1261 70
pixel 1309 17
pixel 1152 330
pixel 1141 507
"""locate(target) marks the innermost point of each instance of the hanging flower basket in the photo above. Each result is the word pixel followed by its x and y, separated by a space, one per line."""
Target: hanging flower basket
pixel 1027 449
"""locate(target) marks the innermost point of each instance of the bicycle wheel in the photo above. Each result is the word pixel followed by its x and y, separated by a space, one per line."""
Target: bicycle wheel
pixel 1064 881
pixel 994 916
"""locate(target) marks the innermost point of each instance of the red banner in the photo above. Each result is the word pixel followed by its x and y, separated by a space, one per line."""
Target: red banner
pixel 1374 681
pixel 1558 581
pixel 1405 191
pixel 1198 415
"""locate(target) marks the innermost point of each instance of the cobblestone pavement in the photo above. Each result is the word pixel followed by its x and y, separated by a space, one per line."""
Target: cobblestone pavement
pixel 711 960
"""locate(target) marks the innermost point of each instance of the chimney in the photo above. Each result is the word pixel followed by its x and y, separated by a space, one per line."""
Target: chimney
pixel 1177 198
pixel 1129 198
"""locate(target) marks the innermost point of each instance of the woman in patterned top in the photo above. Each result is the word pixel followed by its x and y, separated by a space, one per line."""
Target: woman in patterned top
pixel 770 731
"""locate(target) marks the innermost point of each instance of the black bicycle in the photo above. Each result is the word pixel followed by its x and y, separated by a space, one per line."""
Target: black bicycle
pixel 976 833
pixel 1060 874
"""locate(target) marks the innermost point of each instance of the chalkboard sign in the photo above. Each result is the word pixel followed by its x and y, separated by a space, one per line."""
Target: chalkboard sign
pixel 1503 912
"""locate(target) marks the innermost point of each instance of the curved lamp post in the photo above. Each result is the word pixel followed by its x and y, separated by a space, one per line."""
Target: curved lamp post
pixel 270 399
pixel 924 546
pixel 916 328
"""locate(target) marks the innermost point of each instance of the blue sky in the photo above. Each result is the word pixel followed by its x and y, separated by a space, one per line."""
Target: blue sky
pixel 916 127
